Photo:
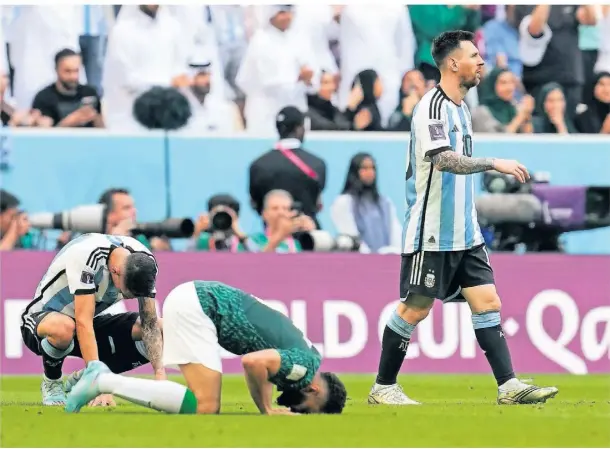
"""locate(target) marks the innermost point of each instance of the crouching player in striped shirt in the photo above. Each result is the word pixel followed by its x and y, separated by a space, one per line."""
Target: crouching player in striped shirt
pixel 200 318
pixel 444 253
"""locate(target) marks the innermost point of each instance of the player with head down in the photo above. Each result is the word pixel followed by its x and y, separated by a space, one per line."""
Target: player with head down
pixel 200 318
pixel 444 253
pixel 88 275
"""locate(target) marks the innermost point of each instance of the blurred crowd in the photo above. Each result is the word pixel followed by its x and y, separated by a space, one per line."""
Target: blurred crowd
pixel 356 67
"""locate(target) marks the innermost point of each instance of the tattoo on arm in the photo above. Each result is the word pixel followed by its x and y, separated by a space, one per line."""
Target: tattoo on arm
pixel 452 162
pixel 151 334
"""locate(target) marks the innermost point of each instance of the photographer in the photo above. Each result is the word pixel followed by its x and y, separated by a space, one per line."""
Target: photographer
pixel 121 220
pixel 281 222
pixel 14 224
pixel 218 230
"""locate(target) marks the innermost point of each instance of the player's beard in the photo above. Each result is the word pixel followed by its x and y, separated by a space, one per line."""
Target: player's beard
pixel 468 84
pixel 290 398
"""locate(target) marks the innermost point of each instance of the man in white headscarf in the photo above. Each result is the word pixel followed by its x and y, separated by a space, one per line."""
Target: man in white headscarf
pixel 37 34
pixel 377 37
pixel 145 49
pixel 278 70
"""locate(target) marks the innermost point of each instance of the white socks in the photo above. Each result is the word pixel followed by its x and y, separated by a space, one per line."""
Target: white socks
pixel 161 395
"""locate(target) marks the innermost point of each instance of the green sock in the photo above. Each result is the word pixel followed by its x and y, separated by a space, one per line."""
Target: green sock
pixel 189 403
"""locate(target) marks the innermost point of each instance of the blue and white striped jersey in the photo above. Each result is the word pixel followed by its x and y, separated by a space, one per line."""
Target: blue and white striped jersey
pixel 81 268
pixel 441 213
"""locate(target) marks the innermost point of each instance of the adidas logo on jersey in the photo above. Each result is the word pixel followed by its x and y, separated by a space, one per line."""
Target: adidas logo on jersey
pixel 455 129
pixel 432 240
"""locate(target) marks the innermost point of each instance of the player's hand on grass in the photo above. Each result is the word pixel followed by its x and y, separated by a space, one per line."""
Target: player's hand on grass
pixel 103 400
pixel 511 167
pixel 280 411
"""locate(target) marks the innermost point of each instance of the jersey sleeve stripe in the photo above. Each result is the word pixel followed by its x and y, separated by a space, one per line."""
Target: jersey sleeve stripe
pixel 42 291
pixel 96 255
pixel 439 104
pixel 431 107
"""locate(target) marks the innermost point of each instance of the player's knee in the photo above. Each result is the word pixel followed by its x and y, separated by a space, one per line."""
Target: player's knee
pixel 488 303
pixel 61 331
pixel 414 312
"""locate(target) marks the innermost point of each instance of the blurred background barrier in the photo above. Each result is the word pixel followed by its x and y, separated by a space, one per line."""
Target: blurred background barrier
pixel 58 171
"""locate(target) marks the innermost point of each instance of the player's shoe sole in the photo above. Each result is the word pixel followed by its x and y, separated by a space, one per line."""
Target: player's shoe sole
pixel 528 395
pixel 85 390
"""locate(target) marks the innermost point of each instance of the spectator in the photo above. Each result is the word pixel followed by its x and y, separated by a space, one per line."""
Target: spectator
pixel 213 232
pixel 277 71
pixel 324 115
pixel 502 39
pixel 129 69
pixel 498 111
pixel 603 54
pixel 14 224
pixel 67 103
pixel 210 113
pixel 596 117
pixel 197 30
pixel 289 167
pixel 378 37
pixel 11 117
pixel 412 89
pixel 318 23
pixel 366 91
pixel 549 38
pixel 551 115
pixel 361 211
pixel 93 32
pixel 37 34
pixel 281 222
pixel 431 20
pixel 229 23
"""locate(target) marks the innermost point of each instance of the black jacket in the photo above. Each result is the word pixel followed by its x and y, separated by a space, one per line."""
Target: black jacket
pixel 274 171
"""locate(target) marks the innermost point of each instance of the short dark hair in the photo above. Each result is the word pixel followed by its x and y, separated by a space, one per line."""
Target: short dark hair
pixel 7 201
pixel 223 199
pixel 108 195
pixel 140 274
pixel 337 394
pixel 65 53
pixel 446 42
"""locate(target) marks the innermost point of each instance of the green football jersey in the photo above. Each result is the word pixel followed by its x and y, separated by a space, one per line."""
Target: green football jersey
pixel 244 325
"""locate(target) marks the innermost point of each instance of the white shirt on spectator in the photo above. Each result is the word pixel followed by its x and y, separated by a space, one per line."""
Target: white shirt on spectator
pixel 378 37
pixel 215 115
pixel 269 76
pixel 142 52
pixel 37 34
pixel 315 22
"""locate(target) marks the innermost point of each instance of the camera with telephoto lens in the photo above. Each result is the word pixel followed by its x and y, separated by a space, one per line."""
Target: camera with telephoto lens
pixel 322 241
pixel 92 218
pixel 220 219
pixel 535 214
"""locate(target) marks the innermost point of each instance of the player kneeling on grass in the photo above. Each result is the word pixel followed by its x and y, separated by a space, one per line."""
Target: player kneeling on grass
pixel 200 318
pixel 90 274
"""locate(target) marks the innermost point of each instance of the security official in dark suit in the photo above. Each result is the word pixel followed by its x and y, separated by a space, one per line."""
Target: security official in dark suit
pixel 289 167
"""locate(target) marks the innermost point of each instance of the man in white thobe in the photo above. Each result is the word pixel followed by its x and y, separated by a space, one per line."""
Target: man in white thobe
pixel 145 49
pixel 198 31
pixel 37 34
pixel 377 37
pixel 278 70
pixel 318 23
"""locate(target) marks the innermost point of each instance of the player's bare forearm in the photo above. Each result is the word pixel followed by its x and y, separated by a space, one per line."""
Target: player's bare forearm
pixel 257 378
pixel 87 341
pixel 452 162
pixel 151 334
pixel 84 310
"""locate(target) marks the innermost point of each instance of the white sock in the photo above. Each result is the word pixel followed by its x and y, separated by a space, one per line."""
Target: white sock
pixel 510 384
pixel 161 395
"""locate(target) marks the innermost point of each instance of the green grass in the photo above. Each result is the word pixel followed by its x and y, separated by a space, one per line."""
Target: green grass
pixel 459 411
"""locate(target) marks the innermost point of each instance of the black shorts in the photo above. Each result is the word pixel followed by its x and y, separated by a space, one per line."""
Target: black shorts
pixel 115 345
pixel 443 274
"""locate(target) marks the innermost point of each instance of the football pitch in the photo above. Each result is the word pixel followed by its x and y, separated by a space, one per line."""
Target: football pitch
pixel 458 411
